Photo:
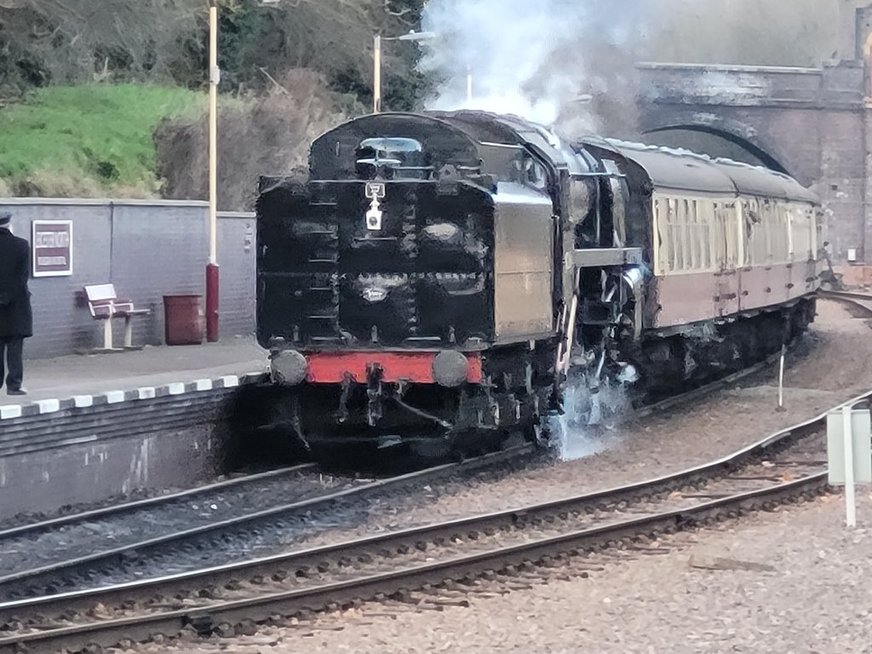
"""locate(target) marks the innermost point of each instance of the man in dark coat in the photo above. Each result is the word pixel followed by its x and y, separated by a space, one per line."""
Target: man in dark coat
pixel 16 318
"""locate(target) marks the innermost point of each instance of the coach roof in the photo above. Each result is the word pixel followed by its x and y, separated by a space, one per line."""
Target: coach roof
pixel 682 170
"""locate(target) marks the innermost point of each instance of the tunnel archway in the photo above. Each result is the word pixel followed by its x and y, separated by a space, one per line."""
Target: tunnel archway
pixel 715 142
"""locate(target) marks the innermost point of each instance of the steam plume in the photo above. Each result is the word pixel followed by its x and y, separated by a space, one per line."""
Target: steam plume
pixel 570 63
pixel 534 59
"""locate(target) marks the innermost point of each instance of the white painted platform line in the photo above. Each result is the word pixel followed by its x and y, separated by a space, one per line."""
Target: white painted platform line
pixel 203 385
pixel 230 381
pixel 83 401
pixel 146 392
pixel 10 411
pixel 114 397
pixel 48 406
pixel 176 389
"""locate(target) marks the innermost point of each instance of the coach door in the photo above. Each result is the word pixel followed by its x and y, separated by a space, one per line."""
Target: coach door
pixel 727 214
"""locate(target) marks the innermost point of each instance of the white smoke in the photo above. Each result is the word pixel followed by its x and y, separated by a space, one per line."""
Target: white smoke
pixel 570 63
pixel 587 425
pixel 545 60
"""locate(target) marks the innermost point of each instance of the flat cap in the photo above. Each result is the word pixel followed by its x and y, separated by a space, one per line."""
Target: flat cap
pixel 5 218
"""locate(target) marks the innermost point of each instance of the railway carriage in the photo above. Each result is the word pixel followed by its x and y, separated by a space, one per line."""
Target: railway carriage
pixel 439 277
pixel 730 237
pixel 733 264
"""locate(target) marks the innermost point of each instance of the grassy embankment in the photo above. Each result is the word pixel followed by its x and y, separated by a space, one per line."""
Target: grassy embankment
pixel 88 141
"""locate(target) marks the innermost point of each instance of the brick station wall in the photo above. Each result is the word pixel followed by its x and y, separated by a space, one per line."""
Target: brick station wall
pixel 148 249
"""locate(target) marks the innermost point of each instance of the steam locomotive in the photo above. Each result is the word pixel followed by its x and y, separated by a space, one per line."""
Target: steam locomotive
pixel 445 277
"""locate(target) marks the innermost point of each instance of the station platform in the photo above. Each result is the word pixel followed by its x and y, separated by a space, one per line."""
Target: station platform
pixel 81 376
pixel 101 426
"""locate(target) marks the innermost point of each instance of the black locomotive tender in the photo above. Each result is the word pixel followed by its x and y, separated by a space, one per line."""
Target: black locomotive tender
pixel 439 277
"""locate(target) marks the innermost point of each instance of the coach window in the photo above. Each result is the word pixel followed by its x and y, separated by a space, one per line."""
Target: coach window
pixel 711 233
pixel 681 230
pixel 800 227
pixel 766 229
pixel 674 236
pixel 705 233
pixel 755 230
pixel 788 230
pixel 701 236
pixel 678 234
pixel 779 235
pixel 748 217
pixel 803 223
pixel 668 213
pixel 662 239
pixel 798 232
pixel 727 229
pixel 690 236
pixel 776 238
pixel 719 237
pixel 683 258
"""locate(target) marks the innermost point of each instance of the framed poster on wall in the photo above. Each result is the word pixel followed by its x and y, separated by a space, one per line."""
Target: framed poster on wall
pixel 52 248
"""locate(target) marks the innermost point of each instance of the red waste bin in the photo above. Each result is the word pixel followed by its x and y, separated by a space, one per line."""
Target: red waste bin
pixel 185 319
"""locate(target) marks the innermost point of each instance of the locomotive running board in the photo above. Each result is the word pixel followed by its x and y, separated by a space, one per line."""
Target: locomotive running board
pixel 599 257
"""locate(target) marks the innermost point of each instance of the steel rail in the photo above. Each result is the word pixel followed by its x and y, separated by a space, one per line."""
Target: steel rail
pixel 846 295
pixel 204 619
pixel 231 569
pixel 640 412
pixel 118 554
pixel 102 512
pixel 850 297
pixel 302 558
pixel 167 622
pixel 121 552
pixel 142 626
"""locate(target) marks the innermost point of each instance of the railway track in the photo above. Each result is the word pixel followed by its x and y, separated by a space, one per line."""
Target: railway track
pixel 196 528
pixel 783 467
pixel 187 495
pixel 863 301
pixel 213 598
pixel 140 539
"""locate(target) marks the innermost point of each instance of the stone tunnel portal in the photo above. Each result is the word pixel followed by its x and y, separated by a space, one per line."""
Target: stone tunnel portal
pixel 714 142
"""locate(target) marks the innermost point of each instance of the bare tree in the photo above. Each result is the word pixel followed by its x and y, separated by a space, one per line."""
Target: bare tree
pixel 71 41
pixel 269 135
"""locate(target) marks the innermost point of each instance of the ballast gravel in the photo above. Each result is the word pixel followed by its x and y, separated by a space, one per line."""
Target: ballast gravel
pixel 829 368
pixel 794 580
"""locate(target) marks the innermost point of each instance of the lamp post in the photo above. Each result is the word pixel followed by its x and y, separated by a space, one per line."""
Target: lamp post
pixel 377 61
pixel 212 267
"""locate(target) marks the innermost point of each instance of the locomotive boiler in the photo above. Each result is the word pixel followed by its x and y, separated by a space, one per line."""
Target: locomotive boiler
pixel 439 278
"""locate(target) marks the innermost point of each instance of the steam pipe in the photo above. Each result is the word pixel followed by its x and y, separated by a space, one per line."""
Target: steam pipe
pixel 421 413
